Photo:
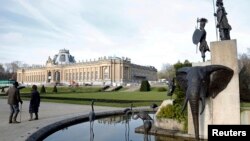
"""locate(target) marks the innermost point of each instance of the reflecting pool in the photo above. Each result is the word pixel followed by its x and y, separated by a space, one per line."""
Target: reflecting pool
pixel 113 128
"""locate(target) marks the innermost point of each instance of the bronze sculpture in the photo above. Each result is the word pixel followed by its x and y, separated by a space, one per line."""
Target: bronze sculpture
pixel 171 87
pixel 200 82
pixel 91 120
pixel 222 22
pixel 199 36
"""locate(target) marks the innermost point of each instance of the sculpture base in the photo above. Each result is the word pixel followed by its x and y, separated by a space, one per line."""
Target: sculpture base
pixel 225 107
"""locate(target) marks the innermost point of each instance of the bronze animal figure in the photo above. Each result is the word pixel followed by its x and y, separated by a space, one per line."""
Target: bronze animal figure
pixel 200 82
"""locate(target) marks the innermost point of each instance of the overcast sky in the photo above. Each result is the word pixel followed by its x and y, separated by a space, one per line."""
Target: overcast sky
pixel 150 32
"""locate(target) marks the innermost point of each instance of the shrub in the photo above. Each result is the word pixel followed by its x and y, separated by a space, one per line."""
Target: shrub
pixel 173 112
pixel 161 89
pixel 54 89
pixel 145 86
pixel 166 112
pixel 43 90
pixel 73 90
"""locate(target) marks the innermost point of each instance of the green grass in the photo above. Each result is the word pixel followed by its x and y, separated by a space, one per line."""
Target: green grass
pixel 121 98
pixel 83 95
pixel 65 89
pixel 100 103
pixel 244 104
pixel 112 95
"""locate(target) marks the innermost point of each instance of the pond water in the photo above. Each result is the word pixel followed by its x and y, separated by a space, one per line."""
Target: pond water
pixel 113 128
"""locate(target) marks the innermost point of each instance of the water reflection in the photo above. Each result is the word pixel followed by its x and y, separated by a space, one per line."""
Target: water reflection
pixel 147 127
pixel 107 129
pixel 91 131
pixel 127 128
pixel 91 121
pixel 147 123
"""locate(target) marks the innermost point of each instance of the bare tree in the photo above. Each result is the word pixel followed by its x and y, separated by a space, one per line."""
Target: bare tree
pixel 167 72
pixel 11 70
pixel 3 73
pixel 244 76
pixel 2 68
pixel 13 66
pixel 24 65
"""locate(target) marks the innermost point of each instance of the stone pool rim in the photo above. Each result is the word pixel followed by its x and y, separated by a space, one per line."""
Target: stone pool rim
pixel 48 130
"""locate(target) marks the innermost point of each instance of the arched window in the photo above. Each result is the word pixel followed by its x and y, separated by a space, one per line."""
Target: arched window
pixel 106 73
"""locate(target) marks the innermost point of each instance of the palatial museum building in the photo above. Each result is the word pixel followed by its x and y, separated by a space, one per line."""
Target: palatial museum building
pixel 64 69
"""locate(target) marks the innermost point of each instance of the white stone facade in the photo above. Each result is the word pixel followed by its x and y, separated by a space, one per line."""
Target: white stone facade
pixel 102 71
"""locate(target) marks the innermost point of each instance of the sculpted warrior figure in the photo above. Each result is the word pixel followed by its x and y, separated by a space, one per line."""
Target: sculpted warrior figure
pixel 199 36
pixel 222 22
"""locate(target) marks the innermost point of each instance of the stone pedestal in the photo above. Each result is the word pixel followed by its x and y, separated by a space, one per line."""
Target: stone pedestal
pixel 225 108
pixel 226 105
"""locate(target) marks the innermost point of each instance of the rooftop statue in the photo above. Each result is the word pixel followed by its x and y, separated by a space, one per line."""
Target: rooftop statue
pixel 199 37
pixel 222 22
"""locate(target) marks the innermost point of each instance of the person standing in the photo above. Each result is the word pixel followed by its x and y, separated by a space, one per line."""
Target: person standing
pixel 13 100
pixel 34 103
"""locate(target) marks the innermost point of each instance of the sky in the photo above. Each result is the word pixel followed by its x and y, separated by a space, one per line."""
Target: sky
pixel 149 32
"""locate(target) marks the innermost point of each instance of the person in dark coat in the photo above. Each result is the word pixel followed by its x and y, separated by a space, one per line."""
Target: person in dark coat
pixel 13 100
pixel 34 103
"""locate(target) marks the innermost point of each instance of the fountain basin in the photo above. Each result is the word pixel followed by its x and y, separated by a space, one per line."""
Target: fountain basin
pixel 78 128
pixel 50 129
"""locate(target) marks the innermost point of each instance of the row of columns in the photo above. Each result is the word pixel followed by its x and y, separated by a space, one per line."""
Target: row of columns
pixel 115 72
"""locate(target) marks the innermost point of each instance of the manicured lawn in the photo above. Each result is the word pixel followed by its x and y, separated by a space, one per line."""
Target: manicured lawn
pixel 113 95
pixel 65 89
pixel 245 104
pixel 83 95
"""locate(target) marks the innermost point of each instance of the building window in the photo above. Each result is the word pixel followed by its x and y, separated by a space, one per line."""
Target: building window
pixel 87 75
pixel 69 76
pixel 62 58
pixel 126 73
pixel 96 75
pixel 73 76
pixel 76 76
pixel 84 76
pixel 80 76
pixel 92 76
pixel 106 73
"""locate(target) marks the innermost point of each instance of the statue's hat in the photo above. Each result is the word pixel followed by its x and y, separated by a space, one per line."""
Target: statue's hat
pixel 202 20
pixel 219 1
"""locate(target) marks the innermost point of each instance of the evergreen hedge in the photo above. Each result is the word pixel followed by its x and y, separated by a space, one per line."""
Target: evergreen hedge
pixel 54 89
pixel 43 90
pixel 145 86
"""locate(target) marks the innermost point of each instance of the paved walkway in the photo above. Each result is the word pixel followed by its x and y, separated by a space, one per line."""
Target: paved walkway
pixel 48 113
